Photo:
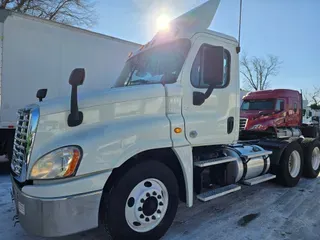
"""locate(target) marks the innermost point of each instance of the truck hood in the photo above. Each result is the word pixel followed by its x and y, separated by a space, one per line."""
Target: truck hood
pixel 100 97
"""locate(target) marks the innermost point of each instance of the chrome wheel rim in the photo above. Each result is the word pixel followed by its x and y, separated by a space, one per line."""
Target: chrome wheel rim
pixel 315 158
pixel 294 164
pixel 146 205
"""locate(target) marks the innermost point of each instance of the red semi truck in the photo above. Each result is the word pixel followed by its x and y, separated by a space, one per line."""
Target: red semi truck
pixel 276 111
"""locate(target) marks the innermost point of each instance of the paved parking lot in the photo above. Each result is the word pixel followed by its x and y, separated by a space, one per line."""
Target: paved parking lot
pixel 275 213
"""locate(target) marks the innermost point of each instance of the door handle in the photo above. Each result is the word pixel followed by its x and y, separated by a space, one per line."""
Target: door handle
pixel 230 125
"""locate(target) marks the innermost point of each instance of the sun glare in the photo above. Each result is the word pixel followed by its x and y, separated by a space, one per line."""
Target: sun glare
pixel 163 22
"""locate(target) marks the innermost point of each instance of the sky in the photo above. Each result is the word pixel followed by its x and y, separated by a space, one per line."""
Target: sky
pixel 289 29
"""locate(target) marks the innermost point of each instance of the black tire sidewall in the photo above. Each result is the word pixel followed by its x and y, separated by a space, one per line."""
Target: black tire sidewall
pixel 117 199
pixel 308 169
pixel 284 174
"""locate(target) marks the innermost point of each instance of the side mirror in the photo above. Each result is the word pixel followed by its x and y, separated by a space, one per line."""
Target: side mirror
pixel 41 94
pixel 198 98
pixel 213 65
pixel 77 77
pixel 212 62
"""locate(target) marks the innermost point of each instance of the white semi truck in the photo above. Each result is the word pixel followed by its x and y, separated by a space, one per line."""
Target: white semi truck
pixel 36 53
pixel 311 116
pixel 168 131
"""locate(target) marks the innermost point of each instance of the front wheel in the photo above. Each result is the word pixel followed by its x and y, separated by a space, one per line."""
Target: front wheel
pixel 142 203
pixel 291 165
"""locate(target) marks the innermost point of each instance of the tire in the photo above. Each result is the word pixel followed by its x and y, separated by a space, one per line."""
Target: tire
pixel 311 150
pixel 286 177
pixel 123 203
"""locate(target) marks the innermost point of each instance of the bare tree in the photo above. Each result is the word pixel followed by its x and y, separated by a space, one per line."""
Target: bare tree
pixel 71 12
pixel 256 71
pixel 313 97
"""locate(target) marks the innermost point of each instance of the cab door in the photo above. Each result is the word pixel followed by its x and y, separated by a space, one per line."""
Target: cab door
pixel 281 113
pixel 216 120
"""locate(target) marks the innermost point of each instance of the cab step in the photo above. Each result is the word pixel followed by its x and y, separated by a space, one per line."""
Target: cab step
pixel 256 154
pixel 219 192
pixel 260 179
pixel 214 161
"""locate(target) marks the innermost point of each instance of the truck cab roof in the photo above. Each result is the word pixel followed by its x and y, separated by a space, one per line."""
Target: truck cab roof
pixel 167 37
pixel 194 22
pixel 272 94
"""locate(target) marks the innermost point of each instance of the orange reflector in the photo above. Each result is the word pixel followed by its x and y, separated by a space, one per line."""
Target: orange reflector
pixel 178 130
pixel 74 163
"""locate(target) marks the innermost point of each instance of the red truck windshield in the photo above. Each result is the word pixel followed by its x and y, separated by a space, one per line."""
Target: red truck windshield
pixel 258 104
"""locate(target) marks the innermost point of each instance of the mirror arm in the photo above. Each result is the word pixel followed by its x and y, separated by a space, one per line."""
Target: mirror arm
pixel 74 103
pixel 75 118
pixel 209 91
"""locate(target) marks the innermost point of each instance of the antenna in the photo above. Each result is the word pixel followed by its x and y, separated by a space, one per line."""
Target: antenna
pixel 238 49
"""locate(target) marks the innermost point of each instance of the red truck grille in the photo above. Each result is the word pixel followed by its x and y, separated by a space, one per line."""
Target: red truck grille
pixel 243 123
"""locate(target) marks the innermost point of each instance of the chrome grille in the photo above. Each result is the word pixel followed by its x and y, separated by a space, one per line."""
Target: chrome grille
pixel 20 141
pixel 243 123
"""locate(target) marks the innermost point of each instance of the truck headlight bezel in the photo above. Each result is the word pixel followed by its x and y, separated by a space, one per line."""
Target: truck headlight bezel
pixel 258 127
pixel 59 163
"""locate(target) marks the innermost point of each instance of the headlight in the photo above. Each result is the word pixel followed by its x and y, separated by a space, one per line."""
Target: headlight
pixel 59 163
pixel 257 127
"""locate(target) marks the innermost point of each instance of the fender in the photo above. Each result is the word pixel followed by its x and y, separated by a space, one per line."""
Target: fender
pixel 277 146
pixel 107 146
pixel 184 154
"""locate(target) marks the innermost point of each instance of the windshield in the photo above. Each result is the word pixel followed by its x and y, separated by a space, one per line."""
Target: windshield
pixel 258 105
pixel 161 64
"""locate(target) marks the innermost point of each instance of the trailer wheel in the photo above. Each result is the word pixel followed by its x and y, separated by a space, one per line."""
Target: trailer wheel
pixel 312 159
pixel 142 203
pixel 291 165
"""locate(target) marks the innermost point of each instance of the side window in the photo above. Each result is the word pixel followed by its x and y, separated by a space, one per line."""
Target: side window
pixel 196 71
pixel 279 105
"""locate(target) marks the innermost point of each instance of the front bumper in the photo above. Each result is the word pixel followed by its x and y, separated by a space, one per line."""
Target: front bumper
pixel 56 217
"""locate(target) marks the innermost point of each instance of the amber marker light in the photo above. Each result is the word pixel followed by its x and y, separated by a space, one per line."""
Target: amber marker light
pixel 178 130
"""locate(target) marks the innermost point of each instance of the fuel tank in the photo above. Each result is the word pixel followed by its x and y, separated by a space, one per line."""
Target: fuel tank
pixel 247 167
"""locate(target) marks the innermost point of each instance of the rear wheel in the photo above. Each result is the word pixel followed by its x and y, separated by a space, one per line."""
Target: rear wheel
pixel 291 165
pixel 142 203
pixel 312 159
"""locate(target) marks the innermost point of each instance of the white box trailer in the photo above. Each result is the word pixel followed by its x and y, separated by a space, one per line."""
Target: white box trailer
pixel 37 53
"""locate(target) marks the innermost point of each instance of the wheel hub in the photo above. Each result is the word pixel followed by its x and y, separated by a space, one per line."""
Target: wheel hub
pixel 315 158
pixel 150 206
pixel 146 205
pixel 294 164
